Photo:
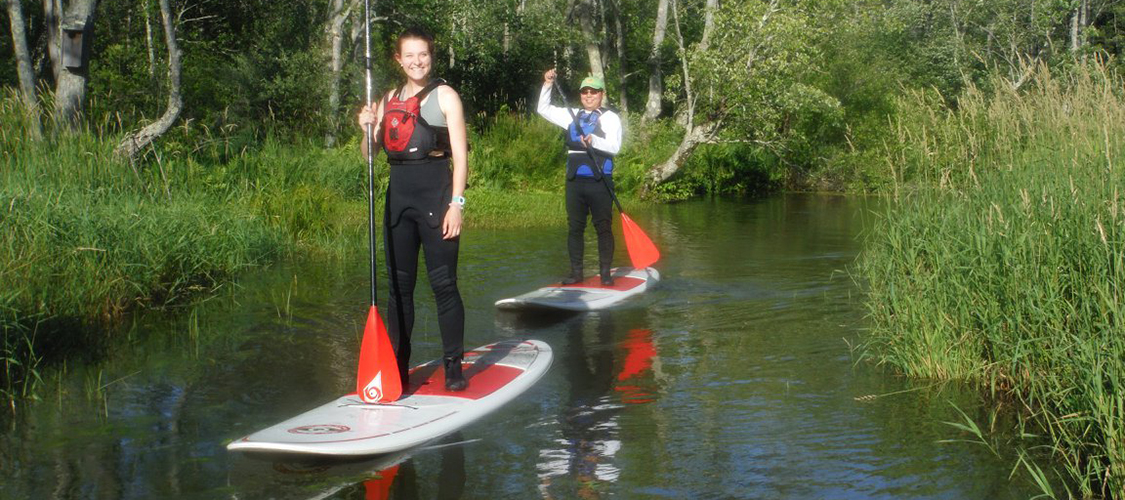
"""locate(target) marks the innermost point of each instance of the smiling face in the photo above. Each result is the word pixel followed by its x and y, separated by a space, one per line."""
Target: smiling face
pixel 415 55
pixel 591 98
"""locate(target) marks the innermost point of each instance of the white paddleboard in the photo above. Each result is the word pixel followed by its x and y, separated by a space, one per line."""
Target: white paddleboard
pixel 589 295
pixel 497 373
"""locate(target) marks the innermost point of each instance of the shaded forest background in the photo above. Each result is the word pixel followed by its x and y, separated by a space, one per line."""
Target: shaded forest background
pixel 776 93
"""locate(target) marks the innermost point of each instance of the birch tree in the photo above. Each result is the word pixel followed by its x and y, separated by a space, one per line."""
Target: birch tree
pixel 341 12
pixel 586 13
pixel 134 142
pixel 742 82
pixel 656 75
pixel 70 83
pixel 622 69
pixel 23 64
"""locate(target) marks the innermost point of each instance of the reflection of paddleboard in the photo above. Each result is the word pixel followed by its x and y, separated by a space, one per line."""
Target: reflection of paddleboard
pixel 497 373
pixel 589 295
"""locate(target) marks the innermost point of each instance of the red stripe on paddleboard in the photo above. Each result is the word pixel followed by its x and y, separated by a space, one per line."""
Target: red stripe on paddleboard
pixel 430 381
pixel 620 283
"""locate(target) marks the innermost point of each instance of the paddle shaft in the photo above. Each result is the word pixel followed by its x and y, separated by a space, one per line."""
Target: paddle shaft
pixel 370 149
pixel 599 171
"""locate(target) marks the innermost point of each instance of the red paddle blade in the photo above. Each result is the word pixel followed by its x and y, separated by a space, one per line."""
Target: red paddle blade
pixel 642 252
pixel 377 380
pixel 379 487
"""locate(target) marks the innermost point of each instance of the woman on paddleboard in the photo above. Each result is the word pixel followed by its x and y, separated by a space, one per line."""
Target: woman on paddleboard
pixel 593 138
pixel 421 127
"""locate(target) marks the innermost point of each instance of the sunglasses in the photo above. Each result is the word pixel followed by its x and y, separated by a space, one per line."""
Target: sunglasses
pixel 589 91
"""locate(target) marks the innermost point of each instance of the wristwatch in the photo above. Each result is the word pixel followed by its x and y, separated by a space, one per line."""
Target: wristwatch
pixel 460 200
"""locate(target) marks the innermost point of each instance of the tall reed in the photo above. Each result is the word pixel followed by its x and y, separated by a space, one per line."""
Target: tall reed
pixel 1003 261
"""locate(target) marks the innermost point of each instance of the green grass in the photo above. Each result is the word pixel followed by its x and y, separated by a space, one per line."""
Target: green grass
pixel 88 238
pixel 1003 261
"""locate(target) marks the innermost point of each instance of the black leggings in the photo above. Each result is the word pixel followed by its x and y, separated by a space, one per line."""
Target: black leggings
pixel 586 197
pixel 412 230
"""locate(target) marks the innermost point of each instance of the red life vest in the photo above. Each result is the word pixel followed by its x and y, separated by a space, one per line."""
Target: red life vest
pixel 406 135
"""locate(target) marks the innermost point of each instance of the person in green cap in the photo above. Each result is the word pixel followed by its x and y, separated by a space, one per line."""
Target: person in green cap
pixel 593 138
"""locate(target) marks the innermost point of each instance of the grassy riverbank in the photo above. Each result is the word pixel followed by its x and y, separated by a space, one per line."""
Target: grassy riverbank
pixel 87 238
pixel 1003 261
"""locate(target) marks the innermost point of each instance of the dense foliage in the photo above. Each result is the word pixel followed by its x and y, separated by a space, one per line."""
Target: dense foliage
pixel 803 87
pixel 995 124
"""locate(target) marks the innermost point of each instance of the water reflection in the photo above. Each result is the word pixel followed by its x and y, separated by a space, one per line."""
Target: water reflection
pixel 450 478
pixel 731 379
pixel 395 476
pixel 588 429
pixel 605 374
pixel 635 380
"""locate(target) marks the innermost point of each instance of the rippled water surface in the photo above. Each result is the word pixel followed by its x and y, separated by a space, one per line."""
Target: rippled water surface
pixel 732 379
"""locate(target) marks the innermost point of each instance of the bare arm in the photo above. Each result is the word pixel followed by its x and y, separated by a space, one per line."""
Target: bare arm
pixel 450 102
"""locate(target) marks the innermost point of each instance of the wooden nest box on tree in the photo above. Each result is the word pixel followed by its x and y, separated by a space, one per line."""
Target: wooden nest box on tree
pixel 75 44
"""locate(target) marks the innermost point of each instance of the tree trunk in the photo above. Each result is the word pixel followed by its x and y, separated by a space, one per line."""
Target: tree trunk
pixel 52 14
pixel 23 63
pixel 1078 23
pixel 708 23
pixel 656 76
pixel 70 85
pixel 340 14
pixel 133 143
pixel 694 134
pixel 693 137
pixel 586 20
pixel 621 69
pixel 148 44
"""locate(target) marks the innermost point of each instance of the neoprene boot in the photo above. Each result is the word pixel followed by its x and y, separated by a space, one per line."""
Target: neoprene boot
pixel 575 275
pixel 454 379
pixel 607 276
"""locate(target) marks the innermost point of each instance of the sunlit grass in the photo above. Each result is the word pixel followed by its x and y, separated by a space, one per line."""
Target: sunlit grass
pixel 1004 260
pixel 88 238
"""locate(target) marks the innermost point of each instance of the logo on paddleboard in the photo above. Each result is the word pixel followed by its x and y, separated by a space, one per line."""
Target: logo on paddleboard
pixel 320 429
pixel 374 389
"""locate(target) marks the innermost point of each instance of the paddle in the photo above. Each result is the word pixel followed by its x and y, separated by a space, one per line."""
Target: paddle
pixel 642 251
pixel 377 379
pixel 379 487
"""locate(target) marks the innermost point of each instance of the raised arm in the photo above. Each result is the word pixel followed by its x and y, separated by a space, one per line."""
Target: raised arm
pixel 554 114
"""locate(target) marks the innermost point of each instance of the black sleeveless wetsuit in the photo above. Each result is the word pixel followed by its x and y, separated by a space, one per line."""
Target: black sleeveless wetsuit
pixel 418 196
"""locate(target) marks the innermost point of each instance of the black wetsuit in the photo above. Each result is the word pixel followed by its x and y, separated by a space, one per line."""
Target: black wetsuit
pixel 586 197
pixel 418 196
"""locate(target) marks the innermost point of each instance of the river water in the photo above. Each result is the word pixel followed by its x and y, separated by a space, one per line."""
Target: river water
pixel 734 378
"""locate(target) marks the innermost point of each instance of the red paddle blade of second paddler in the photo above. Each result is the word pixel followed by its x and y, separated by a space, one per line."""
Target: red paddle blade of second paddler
pixel 377 380
pixel 642 252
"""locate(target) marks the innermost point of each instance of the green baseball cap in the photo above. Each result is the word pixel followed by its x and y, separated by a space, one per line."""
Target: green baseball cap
pixel 592 82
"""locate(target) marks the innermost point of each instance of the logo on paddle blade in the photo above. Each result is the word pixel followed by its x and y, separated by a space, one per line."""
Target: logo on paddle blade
pixel 374 390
